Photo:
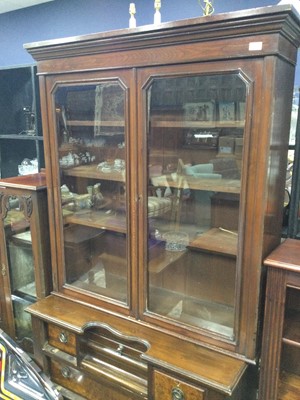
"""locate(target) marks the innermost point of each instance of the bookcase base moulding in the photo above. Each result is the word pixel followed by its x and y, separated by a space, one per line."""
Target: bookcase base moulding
pixel 166 153
pixel 97 355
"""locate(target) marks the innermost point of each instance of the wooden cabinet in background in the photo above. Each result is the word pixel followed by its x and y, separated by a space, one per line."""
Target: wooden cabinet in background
pixel 165 157
pixel 280 362
pixel 25 252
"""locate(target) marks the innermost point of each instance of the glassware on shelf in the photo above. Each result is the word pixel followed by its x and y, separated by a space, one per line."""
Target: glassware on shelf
pixel 176 241
pixel 28 166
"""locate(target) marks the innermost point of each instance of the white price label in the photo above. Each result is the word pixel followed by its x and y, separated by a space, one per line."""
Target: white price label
pixel 255 46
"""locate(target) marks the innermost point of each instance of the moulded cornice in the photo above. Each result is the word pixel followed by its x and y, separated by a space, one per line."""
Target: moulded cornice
pixel 283 20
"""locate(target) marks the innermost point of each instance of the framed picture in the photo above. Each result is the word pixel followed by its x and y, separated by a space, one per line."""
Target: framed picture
pixel 241 110
pixel 109 109
pixel 203 111
pixel 226 111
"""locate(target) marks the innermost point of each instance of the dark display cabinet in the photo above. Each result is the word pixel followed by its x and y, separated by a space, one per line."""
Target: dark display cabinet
pixel 166 157
pixel 25 252
pixel 21 138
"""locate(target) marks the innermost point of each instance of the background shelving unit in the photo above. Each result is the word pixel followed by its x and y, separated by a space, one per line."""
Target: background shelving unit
pixel 20 123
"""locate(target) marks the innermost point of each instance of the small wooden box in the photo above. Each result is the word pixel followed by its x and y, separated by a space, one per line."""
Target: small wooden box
pixel 226 145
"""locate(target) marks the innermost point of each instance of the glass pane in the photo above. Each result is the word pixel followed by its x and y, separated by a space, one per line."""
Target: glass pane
pixel 21 267
pixel 91 139
pixel 294 116
pixel 291 220
pixel 195 155
pixel 290 353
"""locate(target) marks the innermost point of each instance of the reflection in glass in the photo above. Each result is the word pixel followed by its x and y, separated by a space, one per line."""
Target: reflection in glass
pixel 196 134
pixel 90 134
pixel 21 267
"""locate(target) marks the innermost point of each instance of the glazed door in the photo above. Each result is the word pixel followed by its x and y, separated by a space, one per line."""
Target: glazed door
pixel 289 369
pixel 17 267
pixel 91 146
pixel 197 138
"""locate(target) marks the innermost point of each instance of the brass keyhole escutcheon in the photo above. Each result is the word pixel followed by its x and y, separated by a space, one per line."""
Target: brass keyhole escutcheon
pixel 63 337
pixel 66 372
pixel 177 394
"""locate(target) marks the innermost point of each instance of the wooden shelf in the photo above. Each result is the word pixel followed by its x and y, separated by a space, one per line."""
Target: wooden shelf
pixel 30 182
pixel 21 137
pixel 184 181
pixel 95 123
pixel 110 284
pixel 91 171
pixel 291 334
pixel 206 315
pixel 289 386
pixel 97 219
pixel 158 264
pixel 28 290
pixel 216 241
pixel 155 123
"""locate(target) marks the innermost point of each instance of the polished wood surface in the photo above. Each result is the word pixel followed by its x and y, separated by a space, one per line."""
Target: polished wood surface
pixel 217 185
pixel 165 386
pixel 286 256
pixel 86 386
pixel 62 339
pixel 91 171
pixel 204 365
pixel 29 182
pixel 217 240
pixel 255 44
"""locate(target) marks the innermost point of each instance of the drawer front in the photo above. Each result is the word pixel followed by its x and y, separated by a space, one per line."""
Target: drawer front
pixel 169 388
pixel 79 383
pixel 62 339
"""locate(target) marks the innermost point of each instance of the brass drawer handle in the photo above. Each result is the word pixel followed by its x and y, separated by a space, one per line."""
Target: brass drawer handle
pixel 120 349
pixel 63 337
pixel 3 269
pixel 66 372
pixel 177 394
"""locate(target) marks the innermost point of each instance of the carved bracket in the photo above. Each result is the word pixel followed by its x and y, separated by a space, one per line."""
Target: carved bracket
pixel 25 205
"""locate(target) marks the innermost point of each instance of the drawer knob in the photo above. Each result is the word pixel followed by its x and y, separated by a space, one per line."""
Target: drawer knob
pixel 177 394
pixel 66 372
pixel 63 337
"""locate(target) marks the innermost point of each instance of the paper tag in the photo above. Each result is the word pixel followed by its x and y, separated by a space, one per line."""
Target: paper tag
pixel 255 46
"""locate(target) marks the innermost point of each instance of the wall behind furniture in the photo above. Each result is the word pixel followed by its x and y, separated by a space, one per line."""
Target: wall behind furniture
pixel 62 18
